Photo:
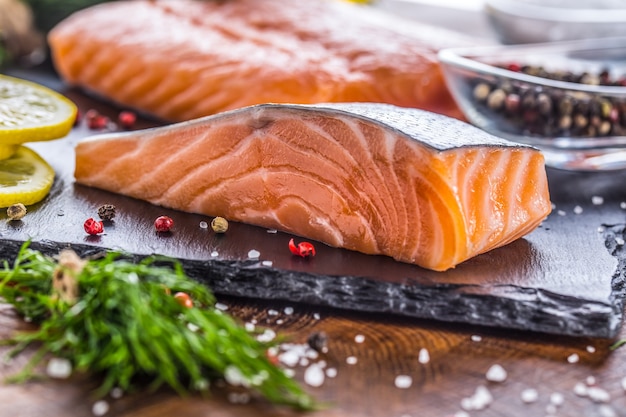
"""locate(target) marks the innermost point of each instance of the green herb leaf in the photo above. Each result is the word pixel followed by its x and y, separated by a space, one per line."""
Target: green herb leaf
pixel 618 344
pixel 127 326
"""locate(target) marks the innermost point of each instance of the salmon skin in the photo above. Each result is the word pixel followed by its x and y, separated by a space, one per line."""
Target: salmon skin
pixel 184 59
pixel 414 185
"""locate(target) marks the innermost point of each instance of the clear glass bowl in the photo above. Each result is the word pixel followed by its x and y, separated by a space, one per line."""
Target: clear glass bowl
pixel 578 126
pixel 527 21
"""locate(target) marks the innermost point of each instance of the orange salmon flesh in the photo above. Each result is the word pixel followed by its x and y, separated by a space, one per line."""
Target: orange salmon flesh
pixel 184 59
pixel 379 179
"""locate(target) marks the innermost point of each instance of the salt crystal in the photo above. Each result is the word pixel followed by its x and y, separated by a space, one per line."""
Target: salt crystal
pixel 601 229
pixel 460 414
pixel 272 312
pixel 59 368
pixel 267 336
pixel 623 205
pixel 288 311
pixel 117 393
pixel 591 349
pixel 590 380
pixel 561 212
pixel 100 408
pixel 204 225
pixel 578 210
pixel 132 278
pixel 316 316
pixel 221 306
pixel 234 377
pixel 581 389
pixel 496 374
pixel 238 397
pixel 272 231
pixel 214 254
pixel 624 383
pixel 598 395
pixel 476 338
pixel 192 327
pixel 551 409
pixel 304 361
pixel 423 357
pixel 481 399
pixel 254 254
pixel 573 358
pixel 403 381
pixel 529 395
pixel 597 200
pixel 619 241
pixel 249 326
pixel 606 411
pixel 359 338
pixel 331 372
pixel 267 263
pixel 314 375
pixel 557 399
pixel 289 372
pixel 280 321
pixel 351 360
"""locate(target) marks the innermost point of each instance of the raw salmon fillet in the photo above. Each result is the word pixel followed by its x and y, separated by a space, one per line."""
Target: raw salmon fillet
pixel 414 185
pixel 184 59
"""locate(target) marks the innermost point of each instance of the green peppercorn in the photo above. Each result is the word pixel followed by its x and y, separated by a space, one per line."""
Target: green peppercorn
pixel 16 211
pixel 219 225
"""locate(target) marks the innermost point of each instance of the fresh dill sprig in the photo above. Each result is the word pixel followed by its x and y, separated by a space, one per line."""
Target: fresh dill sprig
pixel 126 325
pixel 618 344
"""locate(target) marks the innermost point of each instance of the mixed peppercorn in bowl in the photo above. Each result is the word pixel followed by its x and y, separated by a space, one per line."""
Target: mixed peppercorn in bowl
pixel 567 98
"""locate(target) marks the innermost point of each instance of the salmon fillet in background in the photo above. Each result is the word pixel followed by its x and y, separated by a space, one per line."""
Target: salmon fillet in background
pixel 183 59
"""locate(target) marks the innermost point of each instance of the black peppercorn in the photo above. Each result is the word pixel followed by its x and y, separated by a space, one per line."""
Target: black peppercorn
pixel 107 212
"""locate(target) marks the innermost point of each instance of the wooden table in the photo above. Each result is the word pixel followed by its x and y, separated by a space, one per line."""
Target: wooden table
pixel 446 363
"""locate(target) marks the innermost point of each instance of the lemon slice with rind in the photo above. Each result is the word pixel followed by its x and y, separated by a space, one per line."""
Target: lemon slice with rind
pixel 24 178
pixel 30 112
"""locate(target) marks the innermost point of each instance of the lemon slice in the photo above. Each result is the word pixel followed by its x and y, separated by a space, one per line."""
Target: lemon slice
pixel 24 178
pixel 30 112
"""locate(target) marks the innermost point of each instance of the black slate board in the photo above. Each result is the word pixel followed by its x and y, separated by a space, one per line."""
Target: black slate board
pixel 567 277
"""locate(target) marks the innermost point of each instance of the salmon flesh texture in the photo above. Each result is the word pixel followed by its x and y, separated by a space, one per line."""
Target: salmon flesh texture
pixel 184 59
pixel 379 179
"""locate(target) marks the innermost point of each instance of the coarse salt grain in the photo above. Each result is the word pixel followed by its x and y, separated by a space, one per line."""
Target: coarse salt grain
pixel 238 397
pixel 481 399
pixel 214 254
pixel 601 229
pixel 476 338
pixel 590 380
pixel 359 338
pixel 529 395
pixel 606 411
pixel 556 398
pixel 221 306
pixel 204 225
pixel 116 393
pixel 581 389
pixel 316 316
pixel 423 357
pixel 272 231
pixel 249 326
pixel 496 373
pixel 272 312
pixel 288 311
pixel 573 358
pixel 623 205
pixel 460 414
pixel 192 327
pixel 267 336
pixel 314 375
pixel 59 368
pixel 551 409
pixel 598 395
pixel 619 241
pixel 234 377
pixel 561 212
pixel 254 254
pixel 591 349
pixel 597 200
pixel 351 360
pixel 403 381
pixel 623 383
pixel 578 210
pixel 267 263
pixel 100 408
pixel 331 372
